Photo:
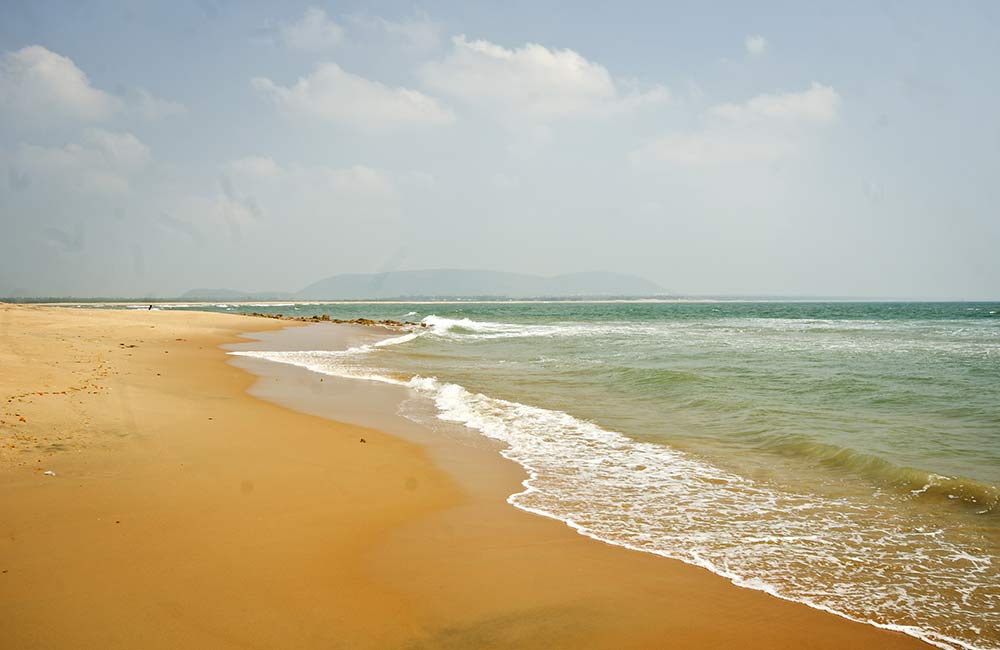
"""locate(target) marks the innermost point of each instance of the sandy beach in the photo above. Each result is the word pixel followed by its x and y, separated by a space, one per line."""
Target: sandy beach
pixel 192 506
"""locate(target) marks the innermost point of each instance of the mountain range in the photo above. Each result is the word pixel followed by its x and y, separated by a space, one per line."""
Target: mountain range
pixel 451 283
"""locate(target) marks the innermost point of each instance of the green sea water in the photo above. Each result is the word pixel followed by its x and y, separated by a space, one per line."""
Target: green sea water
pixel 846 455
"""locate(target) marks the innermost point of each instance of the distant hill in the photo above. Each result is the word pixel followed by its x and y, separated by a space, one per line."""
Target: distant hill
pixel 444 283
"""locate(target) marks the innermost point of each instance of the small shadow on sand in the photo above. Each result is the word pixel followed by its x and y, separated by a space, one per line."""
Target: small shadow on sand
pixel 537 628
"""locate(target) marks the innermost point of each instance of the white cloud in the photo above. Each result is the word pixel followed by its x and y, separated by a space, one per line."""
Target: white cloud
pixel 314 32
pixel 102 164
pixel 818 103
pixel 715 147
pixel 359 179
pixel 153 108
pixel 527 141
pixel 319 195
pixel 764 129
pixel 532 81
pixel 262 171
pixel 755 44
pixel 68 167
pixel 203 214
pixel 120 150
pixel 255 167
pixel 418 33
pixel 332 93
pixel 39 84
pixel 225 212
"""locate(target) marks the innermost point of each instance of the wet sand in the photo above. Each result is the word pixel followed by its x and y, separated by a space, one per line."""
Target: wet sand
pixel 193 507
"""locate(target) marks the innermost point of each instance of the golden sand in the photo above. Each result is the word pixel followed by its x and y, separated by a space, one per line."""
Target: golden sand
pixel 185 513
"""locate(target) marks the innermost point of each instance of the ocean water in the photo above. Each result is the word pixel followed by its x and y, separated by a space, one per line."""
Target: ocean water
pixel 842 455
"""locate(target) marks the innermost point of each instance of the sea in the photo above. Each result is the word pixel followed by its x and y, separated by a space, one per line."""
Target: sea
pixel 841 455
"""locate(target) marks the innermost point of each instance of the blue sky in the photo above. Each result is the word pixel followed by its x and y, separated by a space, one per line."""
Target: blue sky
pixel 843 149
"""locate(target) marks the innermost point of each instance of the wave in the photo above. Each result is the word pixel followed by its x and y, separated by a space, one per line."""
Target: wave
pixel 442 325
pixel 983 497
pixel 750 335
pixel 468 329
pixel 396 340
pixel 334 362
pixel 862 561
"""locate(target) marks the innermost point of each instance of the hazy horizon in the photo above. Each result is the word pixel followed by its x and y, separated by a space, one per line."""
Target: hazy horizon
pixel 148 150
pixel 207 294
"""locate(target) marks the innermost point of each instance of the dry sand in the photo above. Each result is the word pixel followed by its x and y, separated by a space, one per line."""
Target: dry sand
pixel 186 513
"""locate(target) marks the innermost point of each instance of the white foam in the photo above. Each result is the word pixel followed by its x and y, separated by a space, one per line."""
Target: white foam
pixel 465 328
pixel 675 506
pixel 396 340
pixel 932 481
pixel 441 325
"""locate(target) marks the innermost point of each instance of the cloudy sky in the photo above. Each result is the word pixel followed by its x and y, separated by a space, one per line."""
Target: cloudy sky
pixel 841 149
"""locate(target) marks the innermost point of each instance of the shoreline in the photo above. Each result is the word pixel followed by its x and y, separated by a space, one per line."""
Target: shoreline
pixel 247 524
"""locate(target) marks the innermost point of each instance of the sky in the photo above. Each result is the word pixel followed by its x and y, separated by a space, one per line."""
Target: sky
pixel 767 148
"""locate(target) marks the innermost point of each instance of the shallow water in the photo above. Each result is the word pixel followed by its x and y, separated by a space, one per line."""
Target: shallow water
pixel 842 455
